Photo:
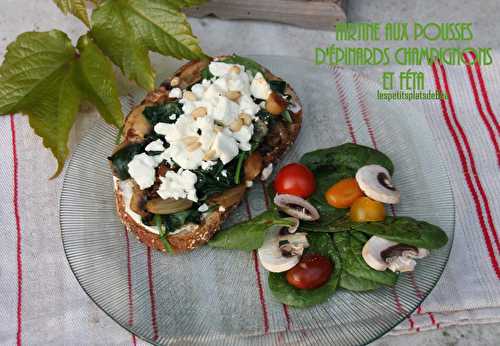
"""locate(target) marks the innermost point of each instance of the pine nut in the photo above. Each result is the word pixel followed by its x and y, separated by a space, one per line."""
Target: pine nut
pixel 233 95
pixel 247 119
pixel 189 96
pixel 175 81
pixel 190 140
pixel 209 155
pixel 235 69
pixel 199 112
pixel 193 146
pixel 236 125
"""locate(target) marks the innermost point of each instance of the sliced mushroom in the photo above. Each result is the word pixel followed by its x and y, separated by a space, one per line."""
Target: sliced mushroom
pixel 253 166
pixel 381 254
pixel 270 254
pixel 168 206
pixel 137 126
pixel 229 197
pixel 138 201
pixel 375 181
pixel 293 244
pixel 296 207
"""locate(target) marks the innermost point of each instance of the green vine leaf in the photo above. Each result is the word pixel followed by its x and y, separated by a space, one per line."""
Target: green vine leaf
pixel 45 77
pixel 96 80
pixel 78 8
pixel 126 30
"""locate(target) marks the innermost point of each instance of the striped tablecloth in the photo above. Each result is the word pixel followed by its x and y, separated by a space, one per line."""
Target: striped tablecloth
pixel 43 304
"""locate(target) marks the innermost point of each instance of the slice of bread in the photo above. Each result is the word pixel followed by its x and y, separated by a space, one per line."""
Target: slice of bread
pixel 279 138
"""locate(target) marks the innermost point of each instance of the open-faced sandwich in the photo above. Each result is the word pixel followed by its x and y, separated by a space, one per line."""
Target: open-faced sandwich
pixel 188 153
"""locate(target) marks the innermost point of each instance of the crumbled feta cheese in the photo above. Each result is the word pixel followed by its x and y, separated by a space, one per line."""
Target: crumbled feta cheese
pixel 224 173
pixel 266 172
pixel 172 116
pixel 178 184
pixel 198 90
pixel 247 105
pixel 221 84
pixel 206 165
pixel 259 87
pixel 178 153
pixel 222 209
pixel 226 111
pixel 203 208
pixel 175 93
pixel 219 69
pixel 158 159
pixel 142 170
pixel 155 146
pixel 225 147
pixel 202 140
pixel 244 134
pixel 248 183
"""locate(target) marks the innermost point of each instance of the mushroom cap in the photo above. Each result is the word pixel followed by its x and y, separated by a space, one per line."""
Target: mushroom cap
pixel 296 206
pixel 375 181
pixel 372 252
pixel 270 254
pixel 401 264
pixel 381 254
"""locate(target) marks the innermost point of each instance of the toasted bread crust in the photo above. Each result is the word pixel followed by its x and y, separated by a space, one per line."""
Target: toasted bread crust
pixel 200 234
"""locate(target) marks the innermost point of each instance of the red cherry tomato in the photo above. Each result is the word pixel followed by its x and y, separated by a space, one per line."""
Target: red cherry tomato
pixel 312 271
pixel 295 179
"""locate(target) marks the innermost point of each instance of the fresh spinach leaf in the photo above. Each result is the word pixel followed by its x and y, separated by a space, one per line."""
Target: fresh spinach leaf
pixel 348 157
pixel 405 230
pixel 215 180
pixel 278 86
pixel 248 235
pixel 265 116
pixel 250 65
pixel 321 244
pixel 260 131
pixel 206 74
pixel 356 284
pixel 158 221
pixel 286 116
pixel 334 224
pixel 349 248
pixel 175 221
pixel 241 159
pixel 120 159
pixel 331 218
pixel 162 113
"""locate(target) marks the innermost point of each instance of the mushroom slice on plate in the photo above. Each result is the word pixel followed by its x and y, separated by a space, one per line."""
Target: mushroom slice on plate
pixel 276 260
pixel 293 244
pixel 381 254
pixel 375 181
pixel 296 207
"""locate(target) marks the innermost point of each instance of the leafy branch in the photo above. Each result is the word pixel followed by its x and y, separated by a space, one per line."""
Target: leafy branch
pixel 47 78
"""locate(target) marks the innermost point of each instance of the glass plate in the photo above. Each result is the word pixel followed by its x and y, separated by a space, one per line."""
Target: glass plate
pixel 219 297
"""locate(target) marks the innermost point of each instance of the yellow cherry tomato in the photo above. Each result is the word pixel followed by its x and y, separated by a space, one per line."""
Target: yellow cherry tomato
pixel 366 209
pixel 343 193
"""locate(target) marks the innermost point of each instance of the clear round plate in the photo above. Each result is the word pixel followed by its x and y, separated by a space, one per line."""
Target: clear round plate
pixel 217 297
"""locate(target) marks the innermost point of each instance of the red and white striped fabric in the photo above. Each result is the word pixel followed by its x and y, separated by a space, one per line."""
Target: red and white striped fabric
pixel 42 302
